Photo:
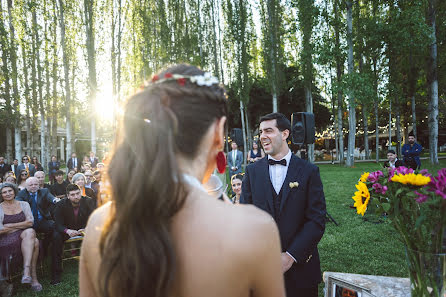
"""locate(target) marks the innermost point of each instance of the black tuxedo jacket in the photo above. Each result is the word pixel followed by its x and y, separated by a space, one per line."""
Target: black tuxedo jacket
pixel 301 220
pixel 78 165
pixel 94 163
pixel 64 214
pixel 45 201
pixel 398 163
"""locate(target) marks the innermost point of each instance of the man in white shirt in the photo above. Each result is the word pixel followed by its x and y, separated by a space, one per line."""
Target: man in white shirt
pixel 290 189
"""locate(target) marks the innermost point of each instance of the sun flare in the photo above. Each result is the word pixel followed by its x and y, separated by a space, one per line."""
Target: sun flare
pixel 105 104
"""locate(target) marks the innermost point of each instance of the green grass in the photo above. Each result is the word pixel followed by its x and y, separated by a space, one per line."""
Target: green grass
pixel 355 246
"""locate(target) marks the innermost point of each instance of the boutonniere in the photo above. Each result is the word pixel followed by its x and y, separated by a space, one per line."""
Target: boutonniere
pixel 294 184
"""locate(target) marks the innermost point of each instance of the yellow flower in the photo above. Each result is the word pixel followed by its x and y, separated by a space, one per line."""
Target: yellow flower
pixel 364 177
pixel 362 198
pixel 411 179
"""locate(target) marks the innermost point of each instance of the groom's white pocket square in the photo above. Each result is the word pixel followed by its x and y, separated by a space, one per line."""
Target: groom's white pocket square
pixel 294 184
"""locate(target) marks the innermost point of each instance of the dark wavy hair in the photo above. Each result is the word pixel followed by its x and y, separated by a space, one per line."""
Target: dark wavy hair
pixel 162 121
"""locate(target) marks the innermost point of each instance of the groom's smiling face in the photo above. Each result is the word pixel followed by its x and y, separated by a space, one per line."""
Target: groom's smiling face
pixel 273 140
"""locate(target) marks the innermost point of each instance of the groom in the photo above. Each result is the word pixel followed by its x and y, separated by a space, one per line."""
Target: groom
pixel 290 190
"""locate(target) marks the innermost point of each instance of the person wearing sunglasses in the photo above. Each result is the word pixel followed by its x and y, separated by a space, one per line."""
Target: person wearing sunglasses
pixel 21 179
pixel 30 168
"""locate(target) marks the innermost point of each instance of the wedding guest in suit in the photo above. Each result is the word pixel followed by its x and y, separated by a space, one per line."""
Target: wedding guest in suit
pixel 58 189
pixel 392 160
pixel 74 163
pixel 15 167
pixel 96 184
pixel 42 204
pixel 236 184
pixel 89 179
pixel 17 237
pixel 70 175
pixel 4 167
pixel 71 216
pixel 159 206
pixel 235 160
pixel 40 175
pixel 255 153
pixel 411 153
pixel 53 166
pixel 290 190
pixel 21 180
pixel 80 180
pixel 27 166
pixel 36 164
pixel 93 160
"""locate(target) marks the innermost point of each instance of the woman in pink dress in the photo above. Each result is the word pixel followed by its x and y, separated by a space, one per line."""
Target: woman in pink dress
pixel 17 238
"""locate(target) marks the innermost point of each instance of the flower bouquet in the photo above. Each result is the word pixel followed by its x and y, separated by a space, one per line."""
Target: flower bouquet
pixel 416 205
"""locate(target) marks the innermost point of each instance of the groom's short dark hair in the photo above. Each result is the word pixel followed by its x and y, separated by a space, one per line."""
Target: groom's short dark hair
pixel 282 122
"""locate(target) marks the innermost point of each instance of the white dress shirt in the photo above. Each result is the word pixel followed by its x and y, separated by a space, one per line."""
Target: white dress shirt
pixel 277 173
pixel 234 157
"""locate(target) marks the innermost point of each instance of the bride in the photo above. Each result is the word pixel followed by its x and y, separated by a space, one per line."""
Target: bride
pixel 162 234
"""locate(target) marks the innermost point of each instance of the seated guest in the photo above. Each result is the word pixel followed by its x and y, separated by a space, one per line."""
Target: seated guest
pixel 4 167
pixel 9 173
pixel 71 217
pixel 15 167
pixel 10 179
pixel 392 160
pixel 59 188
pixel 36 164
pixel 42 204
pixel 97 181
pixel 70 175
pixel 53 166
pixel 236 184
pixel 41 178
pixel 21 180
pixel 93 160
pixel 17 237
pixel 88 178
pixel 79 179
pixel 100 166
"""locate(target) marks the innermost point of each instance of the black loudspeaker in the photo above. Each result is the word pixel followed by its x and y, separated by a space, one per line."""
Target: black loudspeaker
pixel 237 136
pixel 302 128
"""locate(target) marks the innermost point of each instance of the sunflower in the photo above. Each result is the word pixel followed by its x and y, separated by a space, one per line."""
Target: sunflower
pixel 364 177
pixel 411 179
pixel 362 198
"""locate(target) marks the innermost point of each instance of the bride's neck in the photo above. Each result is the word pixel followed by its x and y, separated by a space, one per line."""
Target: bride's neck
pixel 195 167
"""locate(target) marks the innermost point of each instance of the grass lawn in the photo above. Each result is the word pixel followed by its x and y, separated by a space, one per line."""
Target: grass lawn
pixel 355 246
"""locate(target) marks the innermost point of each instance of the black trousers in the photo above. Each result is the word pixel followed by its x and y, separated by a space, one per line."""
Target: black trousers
pixel 49 228
pixel 58 241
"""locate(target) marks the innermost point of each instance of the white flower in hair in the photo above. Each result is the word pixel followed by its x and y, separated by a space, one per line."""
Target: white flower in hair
pixel 204 80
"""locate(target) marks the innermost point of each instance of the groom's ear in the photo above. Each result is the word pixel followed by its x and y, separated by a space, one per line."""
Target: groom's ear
pixel 285 134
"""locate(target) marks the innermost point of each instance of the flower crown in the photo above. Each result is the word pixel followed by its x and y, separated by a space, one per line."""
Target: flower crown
pixel 205 79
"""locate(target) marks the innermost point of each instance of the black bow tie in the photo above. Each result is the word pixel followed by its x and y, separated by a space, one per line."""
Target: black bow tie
pixel 274 162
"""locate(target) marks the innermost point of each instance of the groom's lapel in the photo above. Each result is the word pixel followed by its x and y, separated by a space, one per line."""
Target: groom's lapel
pixel 266 182
pixel 291 176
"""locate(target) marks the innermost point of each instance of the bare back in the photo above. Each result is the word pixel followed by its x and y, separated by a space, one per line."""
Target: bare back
pixel 222 250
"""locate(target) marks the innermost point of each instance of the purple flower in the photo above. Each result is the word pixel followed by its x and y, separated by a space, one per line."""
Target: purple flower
pixel 379 189
pixel 438 184
pixel 404 170
pixel 374 176
pixel 421 197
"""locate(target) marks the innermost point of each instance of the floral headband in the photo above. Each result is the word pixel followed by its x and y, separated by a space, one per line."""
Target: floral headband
pixel 205 79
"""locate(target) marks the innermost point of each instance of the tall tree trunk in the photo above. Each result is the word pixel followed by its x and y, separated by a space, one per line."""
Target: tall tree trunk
pixel 414 116
pixel 366 131
pixel 67 79
pixel 55 109
pixel 351 99
pixel 15 88
pixel 376 131
pixel 339 72
pixel 214 40
pixel 242 116
pixel 272 52
pixel 398 130
pixel 92 82
pixel 27 100
pixel 7 87
pixel 433 86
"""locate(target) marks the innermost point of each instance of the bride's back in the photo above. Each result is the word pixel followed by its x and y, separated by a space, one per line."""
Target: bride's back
pixel 221 250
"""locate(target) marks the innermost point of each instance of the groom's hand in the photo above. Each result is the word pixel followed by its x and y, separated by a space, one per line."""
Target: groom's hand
pixel 287 262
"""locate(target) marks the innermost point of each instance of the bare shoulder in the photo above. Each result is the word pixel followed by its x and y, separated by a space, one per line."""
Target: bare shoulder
pixel 97 219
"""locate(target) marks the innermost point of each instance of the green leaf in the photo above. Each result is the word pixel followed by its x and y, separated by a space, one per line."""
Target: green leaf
pixel 419 221
pixel 386 206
